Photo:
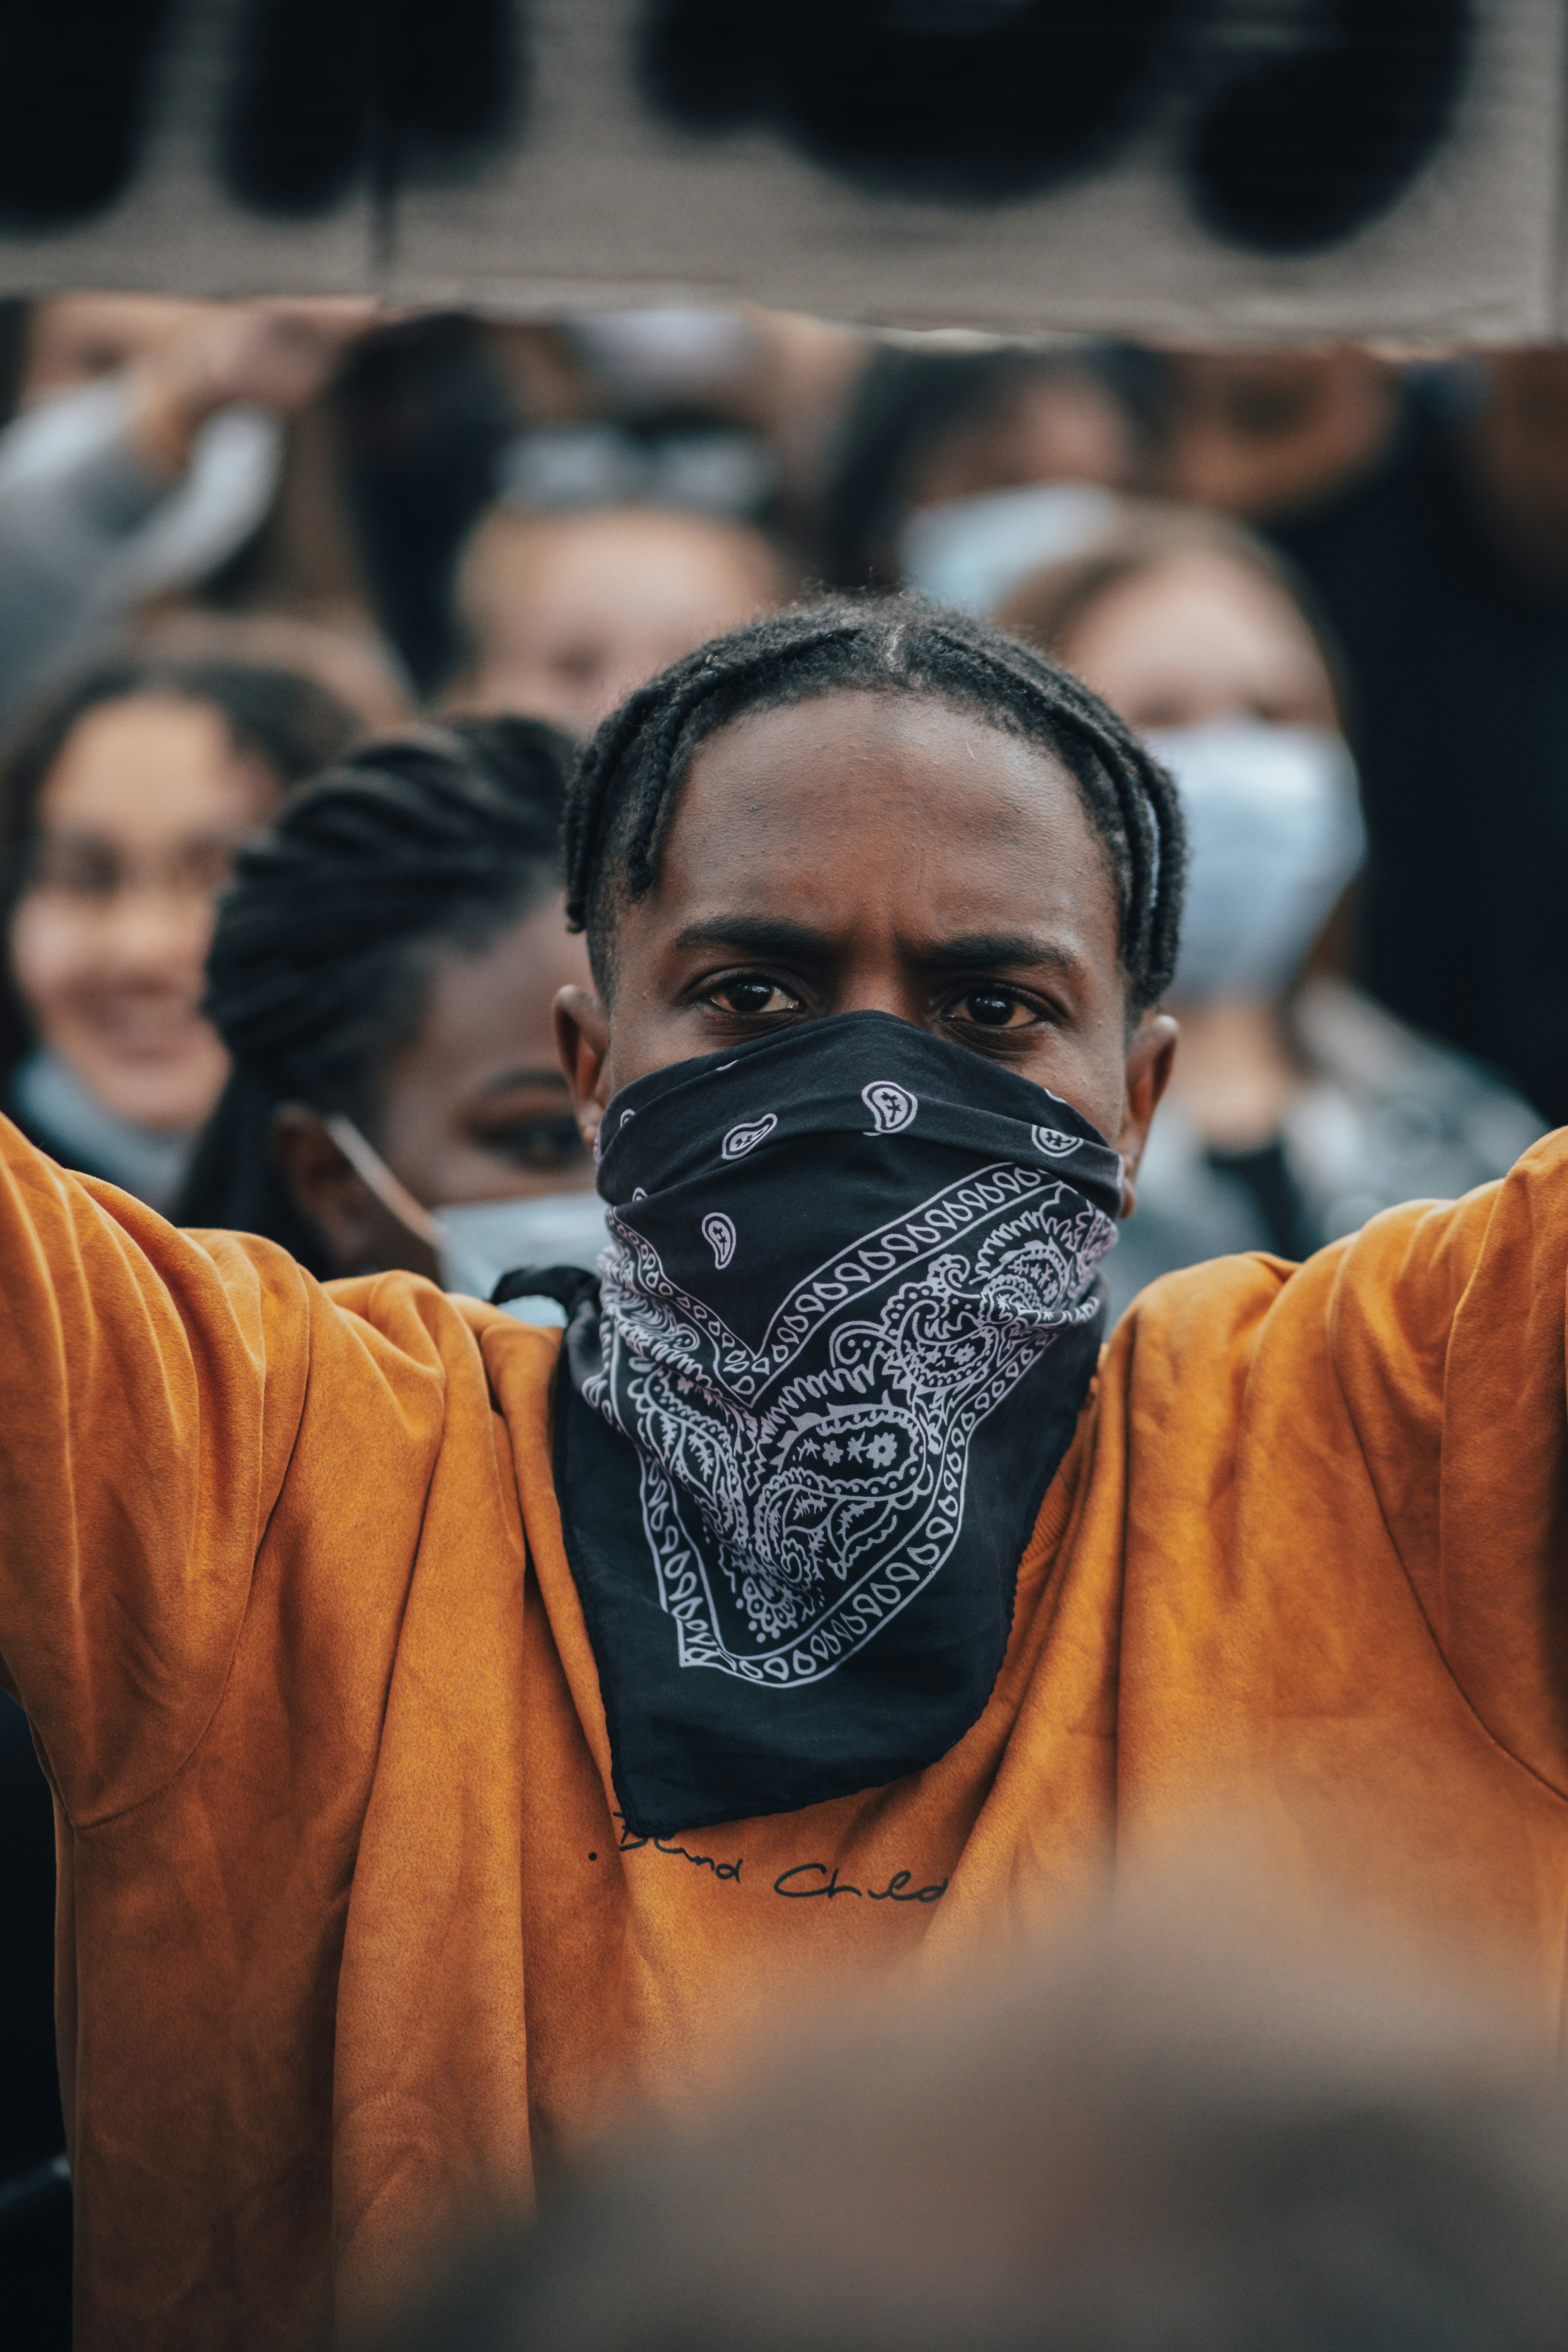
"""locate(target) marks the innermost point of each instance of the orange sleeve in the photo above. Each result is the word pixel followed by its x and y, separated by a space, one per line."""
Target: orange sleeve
pixel 1398 1402
pixel 1447 1338
pixel 156 1390
pixel 150 1391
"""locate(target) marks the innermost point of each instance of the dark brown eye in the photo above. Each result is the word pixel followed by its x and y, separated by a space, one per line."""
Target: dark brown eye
pixel 989 1008
pixel 751 996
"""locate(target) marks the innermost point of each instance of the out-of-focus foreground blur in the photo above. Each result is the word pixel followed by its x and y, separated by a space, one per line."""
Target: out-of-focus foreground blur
pixel 1165 2134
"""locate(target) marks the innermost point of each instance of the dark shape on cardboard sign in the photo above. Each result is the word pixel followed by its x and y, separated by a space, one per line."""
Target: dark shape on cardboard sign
pixel 968 102
pixel 396 90
pixel 1301 150
pixel 74 82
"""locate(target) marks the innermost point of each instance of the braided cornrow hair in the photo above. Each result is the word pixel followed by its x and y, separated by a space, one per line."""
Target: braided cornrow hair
pixel 623 793
pixel 320 962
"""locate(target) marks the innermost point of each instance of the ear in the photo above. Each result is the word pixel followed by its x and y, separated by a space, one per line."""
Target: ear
pixel 362 1237
pixel 582 1046
pixel 1149 1065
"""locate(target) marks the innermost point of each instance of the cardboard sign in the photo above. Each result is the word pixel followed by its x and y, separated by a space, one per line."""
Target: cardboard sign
pixel 1247 168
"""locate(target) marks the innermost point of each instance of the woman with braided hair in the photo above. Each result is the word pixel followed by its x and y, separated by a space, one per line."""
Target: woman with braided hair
pixel 382 975
pixel 463 1734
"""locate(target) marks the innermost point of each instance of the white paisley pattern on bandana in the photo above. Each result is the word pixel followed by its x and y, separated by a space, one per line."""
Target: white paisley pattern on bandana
pixel 797 1496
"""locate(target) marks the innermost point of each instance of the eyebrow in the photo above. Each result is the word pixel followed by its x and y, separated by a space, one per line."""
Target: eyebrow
pixel 756 935
pixel 994 949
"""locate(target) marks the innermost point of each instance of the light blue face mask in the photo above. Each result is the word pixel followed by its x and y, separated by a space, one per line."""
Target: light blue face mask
pixel 972 552
pixel 476 1242
pixel 1274 834
pixel 482 1240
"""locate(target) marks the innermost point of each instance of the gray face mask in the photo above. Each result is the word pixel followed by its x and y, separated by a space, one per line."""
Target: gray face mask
pixel 476 1242
pixel 1275 833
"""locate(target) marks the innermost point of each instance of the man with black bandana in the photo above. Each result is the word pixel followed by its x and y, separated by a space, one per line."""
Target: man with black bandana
pixel 846 1325
pixel 461 1737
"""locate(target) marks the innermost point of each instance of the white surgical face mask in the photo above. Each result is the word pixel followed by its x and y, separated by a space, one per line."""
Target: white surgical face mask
pixel 476 1242
pixel 482 1240
pixel 1275 833
pixel 972 552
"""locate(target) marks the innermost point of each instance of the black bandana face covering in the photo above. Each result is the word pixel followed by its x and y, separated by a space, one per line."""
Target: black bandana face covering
pixel 848 1317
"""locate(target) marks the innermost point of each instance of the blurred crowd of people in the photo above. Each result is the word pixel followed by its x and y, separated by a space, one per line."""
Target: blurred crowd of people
pixel 235 538
pixel 241 545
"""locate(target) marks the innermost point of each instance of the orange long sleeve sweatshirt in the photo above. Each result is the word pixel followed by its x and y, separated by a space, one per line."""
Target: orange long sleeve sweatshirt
pixel 350 1941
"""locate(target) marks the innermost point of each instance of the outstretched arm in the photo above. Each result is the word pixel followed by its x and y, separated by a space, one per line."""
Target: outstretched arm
pixel 1387 1423
pixel 1447 1331
pixel 151 1390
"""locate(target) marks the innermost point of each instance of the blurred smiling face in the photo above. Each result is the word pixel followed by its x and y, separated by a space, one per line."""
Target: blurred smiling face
pixel 137 827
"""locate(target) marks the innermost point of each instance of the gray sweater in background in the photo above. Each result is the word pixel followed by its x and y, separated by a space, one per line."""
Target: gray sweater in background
pixel 87 533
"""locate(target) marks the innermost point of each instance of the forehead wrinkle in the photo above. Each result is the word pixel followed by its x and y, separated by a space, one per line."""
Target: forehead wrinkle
pixel 957 917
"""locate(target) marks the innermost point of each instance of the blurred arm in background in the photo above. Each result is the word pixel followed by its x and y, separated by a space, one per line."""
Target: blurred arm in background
pixel 116 485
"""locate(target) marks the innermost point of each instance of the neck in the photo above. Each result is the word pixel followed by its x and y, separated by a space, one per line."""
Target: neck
pixel 1235 1076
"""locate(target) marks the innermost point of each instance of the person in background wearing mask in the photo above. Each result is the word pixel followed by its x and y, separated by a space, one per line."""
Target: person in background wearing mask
pixel 1427 509
pixel 383 974
pixel 929 435
pixel 1444 573
pixel 1298 1108
pixel 562 613
pixel 148 450
pixel 122 807
pixel 775 380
